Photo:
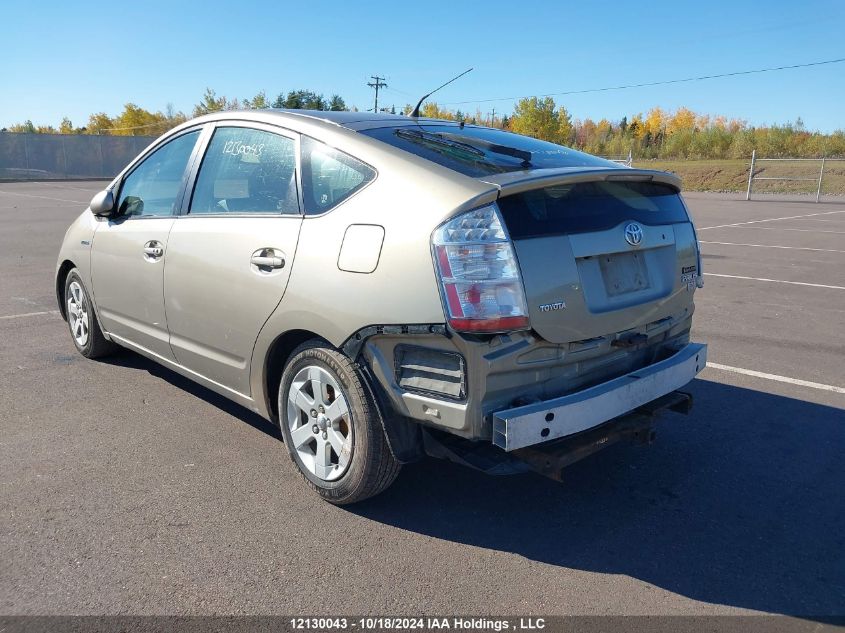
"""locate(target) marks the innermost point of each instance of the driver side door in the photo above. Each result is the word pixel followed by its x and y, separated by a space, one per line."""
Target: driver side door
pixel 129 249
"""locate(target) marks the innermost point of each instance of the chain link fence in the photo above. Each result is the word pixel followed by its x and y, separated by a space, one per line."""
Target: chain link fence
pixel 66 156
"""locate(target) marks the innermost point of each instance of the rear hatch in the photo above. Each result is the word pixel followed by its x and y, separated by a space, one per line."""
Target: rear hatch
pixel 601 251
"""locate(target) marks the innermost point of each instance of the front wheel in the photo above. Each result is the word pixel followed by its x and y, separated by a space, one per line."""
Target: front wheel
pixel 332 426
pixel 81 319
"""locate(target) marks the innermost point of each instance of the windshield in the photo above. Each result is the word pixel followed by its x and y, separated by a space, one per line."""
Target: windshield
pixel 481 151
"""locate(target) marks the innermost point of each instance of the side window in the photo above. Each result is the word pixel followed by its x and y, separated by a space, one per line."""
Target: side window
pixel 152 188
pixel 247 171
pixel 329 176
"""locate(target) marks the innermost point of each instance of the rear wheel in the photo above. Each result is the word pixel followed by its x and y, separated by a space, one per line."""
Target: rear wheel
pixel 82 321
pixel 332 426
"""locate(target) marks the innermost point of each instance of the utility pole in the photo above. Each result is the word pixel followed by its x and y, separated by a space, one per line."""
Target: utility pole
pixel 493 118
pixel 378 83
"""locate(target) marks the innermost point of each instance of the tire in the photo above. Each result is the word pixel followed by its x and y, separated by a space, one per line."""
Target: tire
pixel 336 440
pixel 85 331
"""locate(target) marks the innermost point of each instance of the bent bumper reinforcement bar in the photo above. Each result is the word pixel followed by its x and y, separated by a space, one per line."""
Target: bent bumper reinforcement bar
pixel 560 417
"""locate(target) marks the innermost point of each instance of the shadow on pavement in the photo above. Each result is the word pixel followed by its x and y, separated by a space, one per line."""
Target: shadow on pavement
pixel 126 358
pixel 742 503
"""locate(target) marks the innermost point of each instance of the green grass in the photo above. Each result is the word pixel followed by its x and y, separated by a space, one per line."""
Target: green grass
pixel 732 175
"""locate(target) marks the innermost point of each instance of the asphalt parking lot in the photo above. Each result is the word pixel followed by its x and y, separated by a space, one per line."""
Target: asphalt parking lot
pixel 126 489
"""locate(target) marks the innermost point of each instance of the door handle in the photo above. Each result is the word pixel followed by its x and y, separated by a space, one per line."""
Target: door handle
pixel 153 250
pixel 266 258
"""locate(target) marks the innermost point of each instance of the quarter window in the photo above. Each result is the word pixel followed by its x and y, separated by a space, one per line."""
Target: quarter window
pixel 329 176
pixel 247 171
pixel 153 187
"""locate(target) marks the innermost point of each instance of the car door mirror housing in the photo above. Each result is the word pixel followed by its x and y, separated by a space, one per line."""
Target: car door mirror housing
pixel 102 204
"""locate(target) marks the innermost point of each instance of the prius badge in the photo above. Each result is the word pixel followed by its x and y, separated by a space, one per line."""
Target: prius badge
pixel 633 234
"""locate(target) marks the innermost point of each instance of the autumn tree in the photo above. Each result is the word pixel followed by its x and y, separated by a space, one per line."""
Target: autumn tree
pixel 136 121
pixel 431 110
pixel 683 119
pixel 99 123
pixel 565 129
pixel 635 127
pixel 655 122
pixel 586 133
pixel 538 118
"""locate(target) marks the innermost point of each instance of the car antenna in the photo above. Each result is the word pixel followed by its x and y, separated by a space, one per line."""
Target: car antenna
pixel 416 111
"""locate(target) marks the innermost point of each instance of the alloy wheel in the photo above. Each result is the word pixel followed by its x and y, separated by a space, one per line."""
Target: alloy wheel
pixel 77 312
pixel 320 423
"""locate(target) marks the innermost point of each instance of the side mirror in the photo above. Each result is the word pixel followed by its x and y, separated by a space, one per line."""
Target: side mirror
pixel 102 204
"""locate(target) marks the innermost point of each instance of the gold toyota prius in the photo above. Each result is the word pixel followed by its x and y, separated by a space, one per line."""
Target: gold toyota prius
pixel 387 287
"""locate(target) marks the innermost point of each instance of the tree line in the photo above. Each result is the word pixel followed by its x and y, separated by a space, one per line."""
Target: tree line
pixel 659 133
pixel 136 121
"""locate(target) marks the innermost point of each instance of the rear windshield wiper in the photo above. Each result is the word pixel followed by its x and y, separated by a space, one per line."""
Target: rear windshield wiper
pixel 505 150
pixel 438 139
pixel 495 148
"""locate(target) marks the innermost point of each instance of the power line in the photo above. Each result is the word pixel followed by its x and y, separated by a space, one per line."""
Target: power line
pixel 659 83
pixel 401 92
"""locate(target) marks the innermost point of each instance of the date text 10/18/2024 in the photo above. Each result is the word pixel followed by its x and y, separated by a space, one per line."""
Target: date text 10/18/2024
pixel 419 624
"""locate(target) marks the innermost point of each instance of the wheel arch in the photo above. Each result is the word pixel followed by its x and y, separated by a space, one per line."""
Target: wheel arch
pixel 275 360
pixel 403 436
pixel 61 277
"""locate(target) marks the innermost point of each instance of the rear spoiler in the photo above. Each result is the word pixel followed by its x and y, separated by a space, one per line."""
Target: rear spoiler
pixel 519 181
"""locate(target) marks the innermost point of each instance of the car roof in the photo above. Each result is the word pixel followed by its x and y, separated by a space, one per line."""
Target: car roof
pixel 355 121
pixel 341 117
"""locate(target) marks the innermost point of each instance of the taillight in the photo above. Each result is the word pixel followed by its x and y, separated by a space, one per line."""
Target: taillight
pixel 479 276
pixel 699 280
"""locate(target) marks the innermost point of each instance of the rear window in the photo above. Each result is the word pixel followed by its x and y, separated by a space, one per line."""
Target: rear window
pixel 329 176
pixel 481 151
pixel 590 206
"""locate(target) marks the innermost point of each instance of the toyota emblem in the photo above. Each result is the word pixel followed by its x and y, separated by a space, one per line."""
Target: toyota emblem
pixel 633 234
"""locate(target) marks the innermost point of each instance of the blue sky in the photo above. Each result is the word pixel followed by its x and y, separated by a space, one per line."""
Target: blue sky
pixel 74 58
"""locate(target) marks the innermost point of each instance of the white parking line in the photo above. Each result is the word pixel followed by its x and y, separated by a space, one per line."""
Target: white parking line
pixel 29 195
pixel 28 314
pixel 786 379
pixel 781 228
pixel 61 185
pixel 777 281
pixel 794 248
pixel 75 205
pixel 791 217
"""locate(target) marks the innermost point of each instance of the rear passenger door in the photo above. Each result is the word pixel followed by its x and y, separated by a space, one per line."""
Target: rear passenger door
pixel 231 250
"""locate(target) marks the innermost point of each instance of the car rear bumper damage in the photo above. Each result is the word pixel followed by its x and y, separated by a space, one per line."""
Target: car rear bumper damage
pixel 485 404
pixel 568 415
pixel 550 458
